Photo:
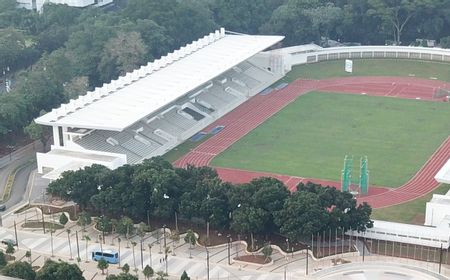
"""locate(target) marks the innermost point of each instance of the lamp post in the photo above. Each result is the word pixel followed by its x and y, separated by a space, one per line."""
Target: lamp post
pixel 229 245
pixel 78 245
pixel 287 244
pixel 15 234
pixel 307 257
pixel 51 239
pixel 165 248
pixel 142 256
pixel 150 252
pixel 118 241
pixel 207 263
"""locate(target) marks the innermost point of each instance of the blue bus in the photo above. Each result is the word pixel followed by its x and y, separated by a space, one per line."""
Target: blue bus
pixel 110 256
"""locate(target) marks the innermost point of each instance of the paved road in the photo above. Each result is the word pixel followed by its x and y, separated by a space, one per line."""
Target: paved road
pixel 19 191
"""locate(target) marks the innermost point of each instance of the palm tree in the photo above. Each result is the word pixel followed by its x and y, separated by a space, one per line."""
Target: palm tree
pixel 126 268
pixel 102 265
pixel 175 236
pixel 70 246
pixel 28 255
pixel 148 272
pixel 190 238
pixel 87 239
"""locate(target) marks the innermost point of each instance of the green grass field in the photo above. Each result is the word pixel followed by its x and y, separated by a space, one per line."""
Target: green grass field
pixel 409 212
pixel 311 136
pixel 371 67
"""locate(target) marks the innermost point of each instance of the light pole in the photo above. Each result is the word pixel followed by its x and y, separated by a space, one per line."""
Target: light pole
pixel 70 245
pixel 165 247
pixel 150 252
pixel 51 239
pixel 287 244
pixel 207 263
pixel 78 245
pixel 15 234
pixel 229 245
pixel 142 256
pixel 118 241
pixel 307 257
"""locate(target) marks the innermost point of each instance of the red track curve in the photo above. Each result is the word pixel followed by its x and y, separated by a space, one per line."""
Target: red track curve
pixel 258 109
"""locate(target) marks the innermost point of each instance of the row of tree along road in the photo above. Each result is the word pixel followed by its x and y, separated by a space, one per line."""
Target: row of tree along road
pixel 155 190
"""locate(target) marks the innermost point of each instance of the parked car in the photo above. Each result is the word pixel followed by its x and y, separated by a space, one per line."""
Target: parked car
pixel 2 207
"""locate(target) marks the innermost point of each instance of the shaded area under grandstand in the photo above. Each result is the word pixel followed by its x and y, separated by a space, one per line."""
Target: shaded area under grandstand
pixel 258 109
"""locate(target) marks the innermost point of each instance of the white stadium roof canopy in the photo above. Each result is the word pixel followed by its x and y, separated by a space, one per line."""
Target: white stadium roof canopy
pixel 119 104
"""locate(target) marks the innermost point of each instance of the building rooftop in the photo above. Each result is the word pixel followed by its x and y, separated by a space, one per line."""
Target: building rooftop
pixel 443 176
pixel 122 102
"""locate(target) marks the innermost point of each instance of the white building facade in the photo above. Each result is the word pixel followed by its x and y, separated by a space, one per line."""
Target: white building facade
pixel 38 4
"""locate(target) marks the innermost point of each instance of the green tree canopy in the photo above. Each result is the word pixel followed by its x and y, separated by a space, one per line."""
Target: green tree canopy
pixel 122 276
pixel 102 264
pixel 53 270
pixel 22 270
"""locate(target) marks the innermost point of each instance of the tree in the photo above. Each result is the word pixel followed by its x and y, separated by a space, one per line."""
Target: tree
pixel 185 276
pixel 102 264
pixel 103 224
pixel 22 270
pixel 122 276
pixel 395 13
pixel 10 249
pixel 2 259
pixel 87 239
pixel 190 238
pixel 269 195
pixel 148 272
pixel 38 132
pixel 12 46
pixel 325 18
pixel 79 185
pixel 53 270
pixel 301 216
pixel 291 19
pixel 249 219
pixel 125 226
pixel 13 113
pixel 84 219
pixel 28 255
pixel 122 54
pixel 63 219
pixel 267 251
pixel 243 16
pixel 445 42
pixel 175 236
pixel 161 275
pixel 126 268
pixel 75 87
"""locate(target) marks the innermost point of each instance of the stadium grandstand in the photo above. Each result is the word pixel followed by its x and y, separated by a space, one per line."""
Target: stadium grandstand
pixel 151 110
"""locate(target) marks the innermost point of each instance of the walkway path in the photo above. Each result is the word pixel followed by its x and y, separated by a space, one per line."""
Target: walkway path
pixel 258 109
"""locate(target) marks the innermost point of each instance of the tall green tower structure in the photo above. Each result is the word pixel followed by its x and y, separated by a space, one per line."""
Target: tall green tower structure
pixel 364 176
pixel 346 176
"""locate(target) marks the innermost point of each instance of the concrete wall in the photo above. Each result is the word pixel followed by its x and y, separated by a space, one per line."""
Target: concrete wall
pixel 313 55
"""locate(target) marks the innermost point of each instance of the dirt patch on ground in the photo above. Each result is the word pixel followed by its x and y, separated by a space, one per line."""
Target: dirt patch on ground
pixel 258 259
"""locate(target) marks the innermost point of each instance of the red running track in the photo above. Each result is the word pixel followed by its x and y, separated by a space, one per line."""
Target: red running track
pixel 258 109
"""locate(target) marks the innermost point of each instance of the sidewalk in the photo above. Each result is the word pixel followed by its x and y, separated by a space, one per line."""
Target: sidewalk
pixel 193 261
